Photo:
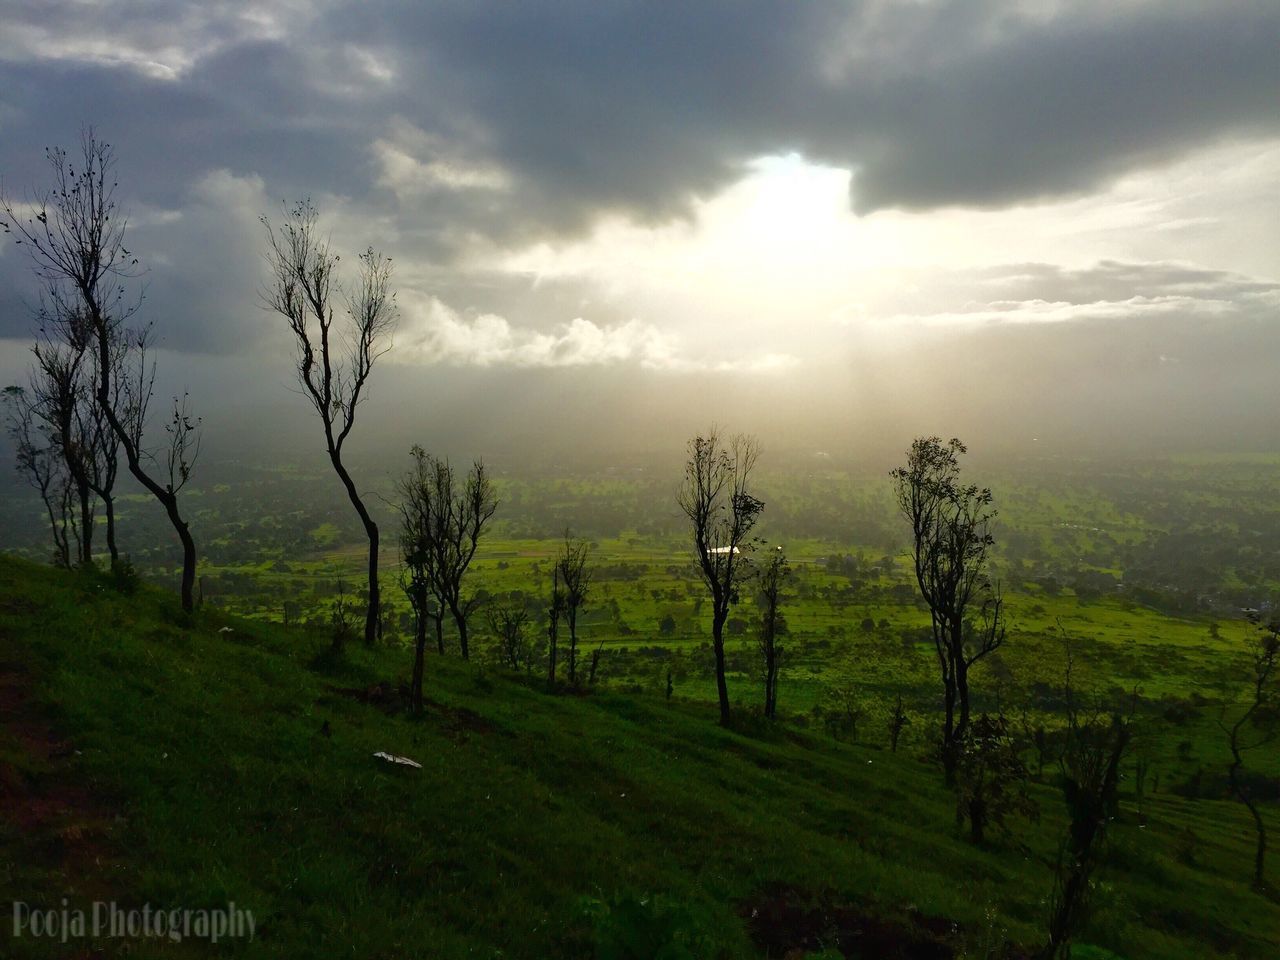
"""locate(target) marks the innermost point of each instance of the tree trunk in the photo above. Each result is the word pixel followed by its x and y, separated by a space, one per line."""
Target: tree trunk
pixel 373 612
pixel 109 507
pixel 1260 850
pixel 170 503
pixel 977 820
pixel 949 745
pixel 460 619
pixel 962 698
pixel 771 684
pixel 717 641
pixel 573 646
pixel 420 644
pixel 166 496
pixel 85 496
pixel 62 550
pixel 1260 856
pixel 188 553
pixel 551 657
pixel 1063 920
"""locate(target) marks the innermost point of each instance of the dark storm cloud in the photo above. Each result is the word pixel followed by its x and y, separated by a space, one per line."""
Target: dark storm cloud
pixel 575 107
pixel 633 106
pixel 624 105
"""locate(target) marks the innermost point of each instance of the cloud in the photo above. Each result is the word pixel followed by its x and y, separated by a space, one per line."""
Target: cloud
pixel 456 136
pixel 434 332
pixel 1108 291
pixel 579 107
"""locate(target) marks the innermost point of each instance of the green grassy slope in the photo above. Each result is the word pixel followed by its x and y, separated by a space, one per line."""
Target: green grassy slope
pixel 147 759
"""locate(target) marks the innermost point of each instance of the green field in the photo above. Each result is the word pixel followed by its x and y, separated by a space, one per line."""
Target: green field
pixel 185 762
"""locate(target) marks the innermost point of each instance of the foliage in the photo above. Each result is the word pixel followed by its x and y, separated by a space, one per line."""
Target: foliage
pixel 629 927
pixel 991 779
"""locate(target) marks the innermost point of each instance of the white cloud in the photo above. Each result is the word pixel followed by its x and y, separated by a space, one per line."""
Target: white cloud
pixel 412 164
pixel 434 332
pixel 1031 293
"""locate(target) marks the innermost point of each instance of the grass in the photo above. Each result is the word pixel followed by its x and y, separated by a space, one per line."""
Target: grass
pixel 197 770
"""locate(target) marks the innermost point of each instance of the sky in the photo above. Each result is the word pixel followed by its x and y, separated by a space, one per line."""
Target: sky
pixel 1030 222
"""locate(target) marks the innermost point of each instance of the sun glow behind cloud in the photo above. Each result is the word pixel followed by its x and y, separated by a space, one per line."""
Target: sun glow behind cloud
pixel 781 261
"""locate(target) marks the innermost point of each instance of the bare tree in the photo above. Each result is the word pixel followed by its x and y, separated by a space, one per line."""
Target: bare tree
pixel 1264 655
pixel 508 624
pixel 716 497
pixel 456 519
pixel 950 527
pixel 303 288
pixel 102 445
pixel 898 720
pixel 1089 765
pixel 37 459
pixel 75 236
pixel 417 553
pixel 772 626
pixel 554 611
pixel 58 388
pixel 595 663
pixel 64 380
pixel 575 583
pixel 470 512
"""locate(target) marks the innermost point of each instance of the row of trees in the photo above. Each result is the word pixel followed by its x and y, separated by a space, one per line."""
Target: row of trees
pixel 441 523
pixel 90 390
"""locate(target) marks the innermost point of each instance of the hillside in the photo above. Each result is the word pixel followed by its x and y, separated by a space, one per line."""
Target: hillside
pixel 147 759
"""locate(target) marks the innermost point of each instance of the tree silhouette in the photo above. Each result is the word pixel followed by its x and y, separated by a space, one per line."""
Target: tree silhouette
pixel 575 582
pixel 417 560
pixel 1089 775
pixel 772 626
pixel 37 459
pixel 75 238
pixel 950 527
pixel 1260 715
pixel 453 520
pixel 716 498
pixel 303 287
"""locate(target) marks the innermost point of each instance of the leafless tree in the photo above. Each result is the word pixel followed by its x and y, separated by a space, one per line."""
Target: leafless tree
pixel 64 380
pixel 58 387
pixel 772 625
pixel 554 612
pixel 333 366
pixel 716 497
pixel 595 663
pixel 508 624
pixel 1260 715
pixel 455 518
pixel 37 459
pixel 898 720
pixel 950 526
pixel 75 237
pixel 102 444
pixel 341 619
pixel 417 554
pixel 575 583
pixel 1094 744
pixel 469 512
